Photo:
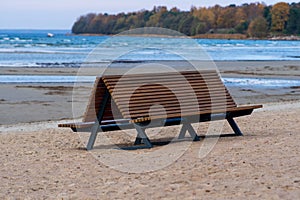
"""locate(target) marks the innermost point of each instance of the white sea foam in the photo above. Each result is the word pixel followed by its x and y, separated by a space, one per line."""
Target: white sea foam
pixel 261 82
pixel 18 64
pixel 250 82
pixel 44 79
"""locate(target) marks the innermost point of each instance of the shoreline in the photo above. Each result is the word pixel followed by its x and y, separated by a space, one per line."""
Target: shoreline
pixel 235 36
pixel 264 68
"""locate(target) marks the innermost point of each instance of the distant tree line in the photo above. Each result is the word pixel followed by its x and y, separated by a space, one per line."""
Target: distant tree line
pixel 254 20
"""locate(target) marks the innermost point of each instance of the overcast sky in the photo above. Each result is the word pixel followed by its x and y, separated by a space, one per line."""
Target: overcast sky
pixel 61 14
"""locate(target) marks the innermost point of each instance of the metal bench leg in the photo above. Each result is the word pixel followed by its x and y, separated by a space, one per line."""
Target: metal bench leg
pixel 98 120
pixel 234 126
pixel 138 140
pixel 93 136
pixel 192 132
pixel 188 127
pixel 142 136
pixel 182 132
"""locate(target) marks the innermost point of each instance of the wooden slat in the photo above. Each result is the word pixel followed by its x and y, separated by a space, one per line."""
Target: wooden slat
pixel 157 84
pixel 145 102
pixel 181 105
pixel 127 84
pixel 171 98
pixel 216 111
pixel 77 125
pixel 161 75
pixel 90 124
pixel 192 93
pixel 154 99
pixel 167 76
pixel 178 87
pixel 166 79
pixel 172 110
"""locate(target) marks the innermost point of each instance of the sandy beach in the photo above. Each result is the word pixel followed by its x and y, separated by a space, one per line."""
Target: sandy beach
pixel 41 161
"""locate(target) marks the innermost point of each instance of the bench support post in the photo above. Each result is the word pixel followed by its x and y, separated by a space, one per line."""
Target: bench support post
pixel 142 136
pixel 234 126
pixel 95 127
pixel 188 127
pixel 182 132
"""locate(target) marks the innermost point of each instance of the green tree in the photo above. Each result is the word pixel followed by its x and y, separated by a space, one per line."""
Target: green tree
pixel 242 27
pixel 186 25
pixel 82 24
pixel 267 15
pixel 293 23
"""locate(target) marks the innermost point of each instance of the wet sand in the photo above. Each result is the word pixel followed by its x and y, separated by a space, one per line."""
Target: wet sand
pixel 227 68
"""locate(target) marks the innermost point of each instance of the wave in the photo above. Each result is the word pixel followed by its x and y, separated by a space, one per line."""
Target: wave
pixel 261 82
pixel 13 51
pixel 240 82
pixel 44 79
pixel 59 64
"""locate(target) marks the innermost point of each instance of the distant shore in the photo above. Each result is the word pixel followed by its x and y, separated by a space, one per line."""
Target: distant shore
pixel 208 36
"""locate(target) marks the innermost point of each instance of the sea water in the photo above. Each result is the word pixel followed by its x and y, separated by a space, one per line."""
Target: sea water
pixel 242 82
pixel 32 48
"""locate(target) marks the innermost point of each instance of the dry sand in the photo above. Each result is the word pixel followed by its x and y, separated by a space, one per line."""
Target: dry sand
pixel 40 161
pixel 263 164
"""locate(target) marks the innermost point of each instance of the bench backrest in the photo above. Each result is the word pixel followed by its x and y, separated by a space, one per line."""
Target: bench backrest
pixel 178 94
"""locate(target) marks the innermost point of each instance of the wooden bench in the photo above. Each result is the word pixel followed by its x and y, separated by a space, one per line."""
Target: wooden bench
pixel 124 101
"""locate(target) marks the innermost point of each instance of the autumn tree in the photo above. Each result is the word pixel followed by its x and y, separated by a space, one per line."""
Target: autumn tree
pixel 258 28
pixel 280 16
pixel 206 17
pixel 156 20
pixel 226 18
pixel 253 10
pixel 216 11
pixel 241 21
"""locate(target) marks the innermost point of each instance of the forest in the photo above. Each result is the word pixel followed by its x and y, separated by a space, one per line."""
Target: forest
pixel 256 20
